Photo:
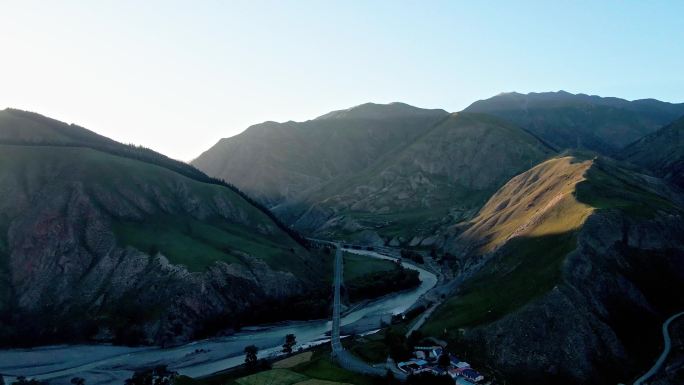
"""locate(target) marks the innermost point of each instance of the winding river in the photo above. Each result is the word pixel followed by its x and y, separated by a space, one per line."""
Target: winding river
pixel 108 365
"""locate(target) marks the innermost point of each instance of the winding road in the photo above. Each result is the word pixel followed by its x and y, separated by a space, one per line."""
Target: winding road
pixel 666 350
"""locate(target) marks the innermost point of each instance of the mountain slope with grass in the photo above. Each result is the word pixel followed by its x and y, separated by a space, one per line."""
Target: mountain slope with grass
pixel 274 162
pixel 103 241
pixel 407 197
pixel 579 121
pixel 375 173
pixel 570 269
pixel 662 152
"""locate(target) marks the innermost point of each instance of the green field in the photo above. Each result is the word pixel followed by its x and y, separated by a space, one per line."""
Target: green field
pixel 273 377
pixel 149 206
pixel 320 370
pixel 357 266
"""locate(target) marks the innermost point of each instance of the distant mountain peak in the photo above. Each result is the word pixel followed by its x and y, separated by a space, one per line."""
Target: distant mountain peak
pixel 381 111
pixel 581 121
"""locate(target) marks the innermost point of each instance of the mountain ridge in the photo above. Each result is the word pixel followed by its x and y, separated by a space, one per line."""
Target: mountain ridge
pixel 568 121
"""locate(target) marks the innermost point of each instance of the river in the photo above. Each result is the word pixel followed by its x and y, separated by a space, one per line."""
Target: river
pixel 109 365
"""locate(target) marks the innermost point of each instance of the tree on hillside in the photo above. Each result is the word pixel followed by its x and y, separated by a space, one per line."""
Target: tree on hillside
pixel 251 355
pixel 159 375
pixel 443 360
pixel 78 381
pixel 290 342
pixel 2 380
pixel 396 344
pixel 414 338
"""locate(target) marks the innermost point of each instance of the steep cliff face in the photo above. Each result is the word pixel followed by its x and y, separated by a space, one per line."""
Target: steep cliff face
pixel 572 267
pixel 98 245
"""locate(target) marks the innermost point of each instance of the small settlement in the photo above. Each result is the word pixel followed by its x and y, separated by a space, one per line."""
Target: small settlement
pixel 427 360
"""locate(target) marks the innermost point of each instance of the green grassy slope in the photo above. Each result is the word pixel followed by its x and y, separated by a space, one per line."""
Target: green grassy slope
pixel 532 223
pixel 526 269
pixel 192 240
pixel 27 128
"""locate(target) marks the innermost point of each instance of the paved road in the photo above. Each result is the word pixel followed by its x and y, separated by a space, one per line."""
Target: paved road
pixel 422 318
pixel 663 355
pixel 343 357
pixel 337 306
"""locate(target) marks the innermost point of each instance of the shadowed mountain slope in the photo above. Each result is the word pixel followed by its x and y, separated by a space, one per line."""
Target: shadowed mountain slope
pixel 662 152
pixel 569 121
pixel 117 243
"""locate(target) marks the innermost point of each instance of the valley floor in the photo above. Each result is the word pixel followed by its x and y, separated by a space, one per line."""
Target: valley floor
pixel 104 364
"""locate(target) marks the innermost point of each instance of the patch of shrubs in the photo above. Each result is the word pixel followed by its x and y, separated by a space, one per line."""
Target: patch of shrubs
pixel 380 283
pixel 412 255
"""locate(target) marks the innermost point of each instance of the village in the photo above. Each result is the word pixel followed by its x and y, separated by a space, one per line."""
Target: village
pixel 435 360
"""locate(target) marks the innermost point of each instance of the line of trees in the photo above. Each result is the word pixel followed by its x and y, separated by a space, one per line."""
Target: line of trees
pixel 159 375
pixel 379 283
pixel 412 255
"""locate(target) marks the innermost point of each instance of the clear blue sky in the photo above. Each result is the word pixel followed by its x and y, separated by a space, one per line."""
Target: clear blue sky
pixel 177 76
